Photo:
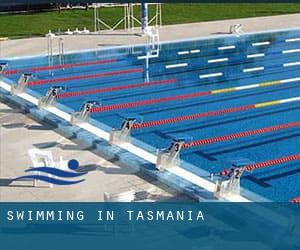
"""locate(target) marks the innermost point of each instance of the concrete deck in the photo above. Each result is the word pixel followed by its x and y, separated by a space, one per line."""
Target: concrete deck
pixel 36 46
pixel 18 132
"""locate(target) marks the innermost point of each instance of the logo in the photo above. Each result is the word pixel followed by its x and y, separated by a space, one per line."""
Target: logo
pixel 54 175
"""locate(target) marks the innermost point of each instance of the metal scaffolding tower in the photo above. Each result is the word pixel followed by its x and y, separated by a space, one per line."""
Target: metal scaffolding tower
pixel 129 20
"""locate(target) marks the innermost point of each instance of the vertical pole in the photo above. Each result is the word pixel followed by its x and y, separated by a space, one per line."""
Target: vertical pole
pixel 156 14
pixel 132 15
pixel 160 15
pixel 124 17
pixel 61 51
pixel 50 53
pixel 128 16
pixel 144 14
pixel 95 17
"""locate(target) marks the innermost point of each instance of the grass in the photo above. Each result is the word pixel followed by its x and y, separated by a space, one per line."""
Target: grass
pixel 38 24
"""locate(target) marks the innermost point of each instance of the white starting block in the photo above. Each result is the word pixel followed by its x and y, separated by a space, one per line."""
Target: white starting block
pixel 231 185
pixel 50 97
pixel 170 157
pixel 22 84
pixel 50 34
pixel 2 67
pixel 77 32
pixel 122 135
pixel 68 32
pixel 85 31
pixel 84 113
pixel 227 188
pixel 236 29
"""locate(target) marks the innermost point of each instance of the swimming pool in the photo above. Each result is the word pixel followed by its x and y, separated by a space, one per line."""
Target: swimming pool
pixel 232 99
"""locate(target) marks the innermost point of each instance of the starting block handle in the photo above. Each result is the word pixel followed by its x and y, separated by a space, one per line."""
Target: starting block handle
pixel 3 65
pixel 122 135
pixel 22 83
pixel 169 157
pixel 84 113
pixel 50 97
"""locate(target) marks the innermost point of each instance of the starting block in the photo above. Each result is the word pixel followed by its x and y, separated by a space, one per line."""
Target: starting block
pixel 22 84
pixel 3 65
pixel 122 135
pixel 236 29
pixel 231 185
pixel 170 157
pixel 84 113
pixel 50 97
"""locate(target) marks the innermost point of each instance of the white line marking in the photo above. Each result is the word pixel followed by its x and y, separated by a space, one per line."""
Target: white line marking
pixel 290 100
pixel 218 60
pixel 290 51
pixel 211 75
pixel 256 55
pixel 193 178
pixel 290 80
pixel 171 66
pixel 226 47
pixel 5 86
pixel 247 87
pixel 145 57
pixel 59 113
pixel 292 40
pixel 291 64
pixel 183 52
pixel 261 43
pixel 253 69
pixel 94 130
pixel 195 51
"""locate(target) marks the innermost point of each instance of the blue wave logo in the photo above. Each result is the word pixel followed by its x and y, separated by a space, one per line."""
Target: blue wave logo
pixel 62 174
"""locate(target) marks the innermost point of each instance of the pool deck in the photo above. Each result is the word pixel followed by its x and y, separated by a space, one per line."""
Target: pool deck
pixel 106 176
pixel 18 133
pixel 38 45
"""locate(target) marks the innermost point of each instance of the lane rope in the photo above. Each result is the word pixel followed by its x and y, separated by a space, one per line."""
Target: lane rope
pixel 240 135
pixel 188 96
pixel 111 89
pixel 269 163
pixel 80 77
pixel 263 164
pixel 296 200
pixel 65 66
pixel 211 113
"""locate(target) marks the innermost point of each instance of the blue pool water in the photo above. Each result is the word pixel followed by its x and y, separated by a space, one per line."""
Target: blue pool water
pixel 237 61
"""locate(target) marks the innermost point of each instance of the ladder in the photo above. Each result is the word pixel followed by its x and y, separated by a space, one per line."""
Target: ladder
pixel 61 52
pixel 50 53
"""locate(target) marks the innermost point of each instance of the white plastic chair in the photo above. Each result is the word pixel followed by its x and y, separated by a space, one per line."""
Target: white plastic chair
pixel 40 158
pixel 128 196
